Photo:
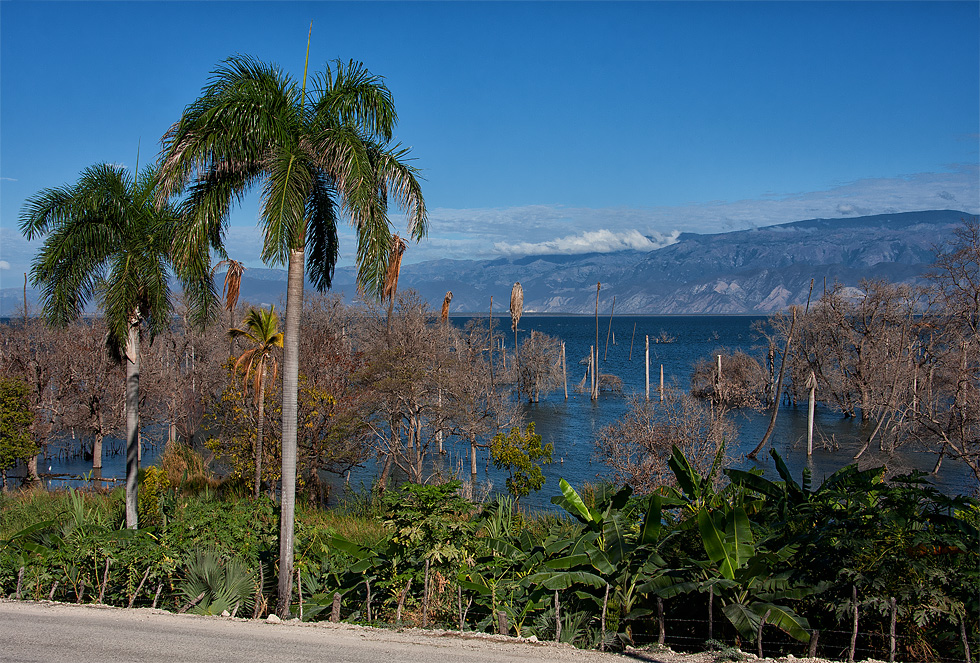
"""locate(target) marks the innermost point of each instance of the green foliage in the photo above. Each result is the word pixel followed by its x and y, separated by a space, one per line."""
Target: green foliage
pixel 792 549
pixel 428 522
pixel 215 584
pixel 522 455
pixel 16 419
pixel 153 486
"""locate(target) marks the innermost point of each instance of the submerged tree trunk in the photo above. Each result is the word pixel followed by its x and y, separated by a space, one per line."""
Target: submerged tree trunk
pixel 290 385
pixel 132 360
pixel 97 452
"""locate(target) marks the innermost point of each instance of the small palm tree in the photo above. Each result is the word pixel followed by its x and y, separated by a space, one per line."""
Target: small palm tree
pixel 261 328
pixel 105 238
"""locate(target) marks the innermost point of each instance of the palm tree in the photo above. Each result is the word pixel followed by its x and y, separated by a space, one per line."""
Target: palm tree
pixel 261 327
pixel 315 156
pixel 105 238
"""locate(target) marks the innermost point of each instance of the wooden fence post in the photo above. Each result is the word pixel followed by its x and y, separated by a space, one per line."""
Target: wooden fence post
pixel 425 596
pixel 660 622
pixel 557 618
pixel 759 636
pixel 648 368
pixel 299 589
pixel 335 609
pixel 401 602
pixel 891 630
pixel 711 605
pixel 502 628
pixel 459 596
pixel 966 640
pixel 854 629
pixel 367 584
pixel 605 603
pixel 814 637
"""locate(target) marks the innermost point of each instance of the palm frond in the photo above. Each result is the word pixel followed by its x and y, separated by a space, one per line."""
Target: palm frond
pixel 322 242
pixel 348 94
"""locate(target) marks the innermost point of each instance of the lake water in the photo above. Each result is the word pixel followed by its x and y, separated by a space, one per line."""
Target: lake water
pixel 570 425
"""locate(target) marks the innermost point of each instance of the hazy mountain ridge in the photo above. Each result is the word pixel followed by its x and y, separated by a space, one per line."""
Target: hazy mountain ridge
pixel 747 271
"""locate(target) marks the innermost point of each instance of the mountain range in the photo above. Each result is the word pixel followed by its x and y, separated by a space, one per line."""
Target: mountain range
pixel 754 271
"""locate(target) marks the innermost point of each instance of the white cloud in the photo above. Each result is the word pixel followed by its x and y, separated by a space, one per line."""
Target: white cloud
pixel 4 264
pixel 490 232
pixel 598 241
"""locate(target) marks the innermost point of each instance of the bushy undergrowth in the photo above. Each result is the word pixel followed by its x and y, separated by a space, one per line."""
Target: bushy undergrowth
pixel 594 573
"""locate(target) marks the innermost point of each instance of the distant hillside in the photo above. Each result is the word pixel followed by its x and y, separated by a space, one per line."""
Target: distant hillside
pixel 748 271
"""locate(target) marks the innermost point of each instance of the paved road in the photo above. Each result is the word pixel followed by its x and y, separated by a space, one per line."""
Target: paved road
pixel 54 633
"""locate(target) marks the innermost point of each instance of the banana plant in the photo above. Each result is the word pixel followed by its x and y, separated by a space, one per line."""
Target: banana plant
pixel 614 550
pixel 746 577
pixel 791 499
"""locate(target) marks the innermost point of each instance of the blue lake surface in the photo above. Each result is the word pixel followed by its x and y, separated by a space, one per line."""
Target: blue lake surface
pixel 571 425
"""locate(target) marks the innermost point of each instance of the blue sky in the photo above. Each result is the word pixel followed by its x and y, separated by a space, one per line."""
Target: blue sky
pixel 539 127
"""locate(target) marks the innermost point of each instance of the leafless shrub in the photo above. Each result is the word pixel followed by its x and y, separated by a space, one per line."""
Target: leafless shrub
pixel 743 382
pixel 638 446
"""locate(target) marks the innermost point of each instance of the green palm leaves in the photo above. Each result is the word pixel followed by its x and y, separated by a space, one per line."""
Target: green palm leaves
pixel 105 239
pixel 213 585
pixel 261 329
pixel 315 155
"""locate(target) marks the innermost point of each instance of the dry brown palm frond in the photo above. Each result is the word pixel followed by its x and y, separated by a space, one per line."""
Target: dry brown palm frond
pixel 516 305
pixel 445 306
pixel 233 282
pixel 390 286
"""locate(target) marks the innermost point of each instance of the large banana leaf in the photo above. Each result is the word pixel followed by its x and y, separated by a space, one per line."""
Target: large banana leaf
pixel 557 580
pixel 573 503
pixel 568 562
pixel 650 532
pixel 614 537
pixel 714 544
pixel 739 536
pixel 505 549
pixel 757 483
pixel 785 619
pixel 687 478
pixel 746 619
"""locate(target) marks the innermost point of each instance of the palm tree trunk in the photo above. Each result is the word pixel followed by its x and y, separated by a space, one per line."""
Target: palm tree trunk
pixel 290 393
pixel 259 435
pixel 132 421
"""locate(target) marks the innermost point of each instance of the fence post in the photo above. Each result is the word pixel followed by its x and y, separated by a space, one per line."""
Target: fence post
pixel 759 636
pixel 605 603
pixel 557 618
pixel 814 636
pixel 660 622
pixel 401 602
pixel 711 605
pixel 299 589
pixel 459 596
pixel 335 610
pixel 854 630
pixel 966 640
pixel 425 596
pixel 502 628
pixel 891 631
pixel 647 364
pixel 367 585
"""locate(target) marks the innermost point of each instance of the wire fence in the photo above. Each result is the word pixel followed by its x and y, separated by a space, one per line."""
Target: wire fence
pixel 451 608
